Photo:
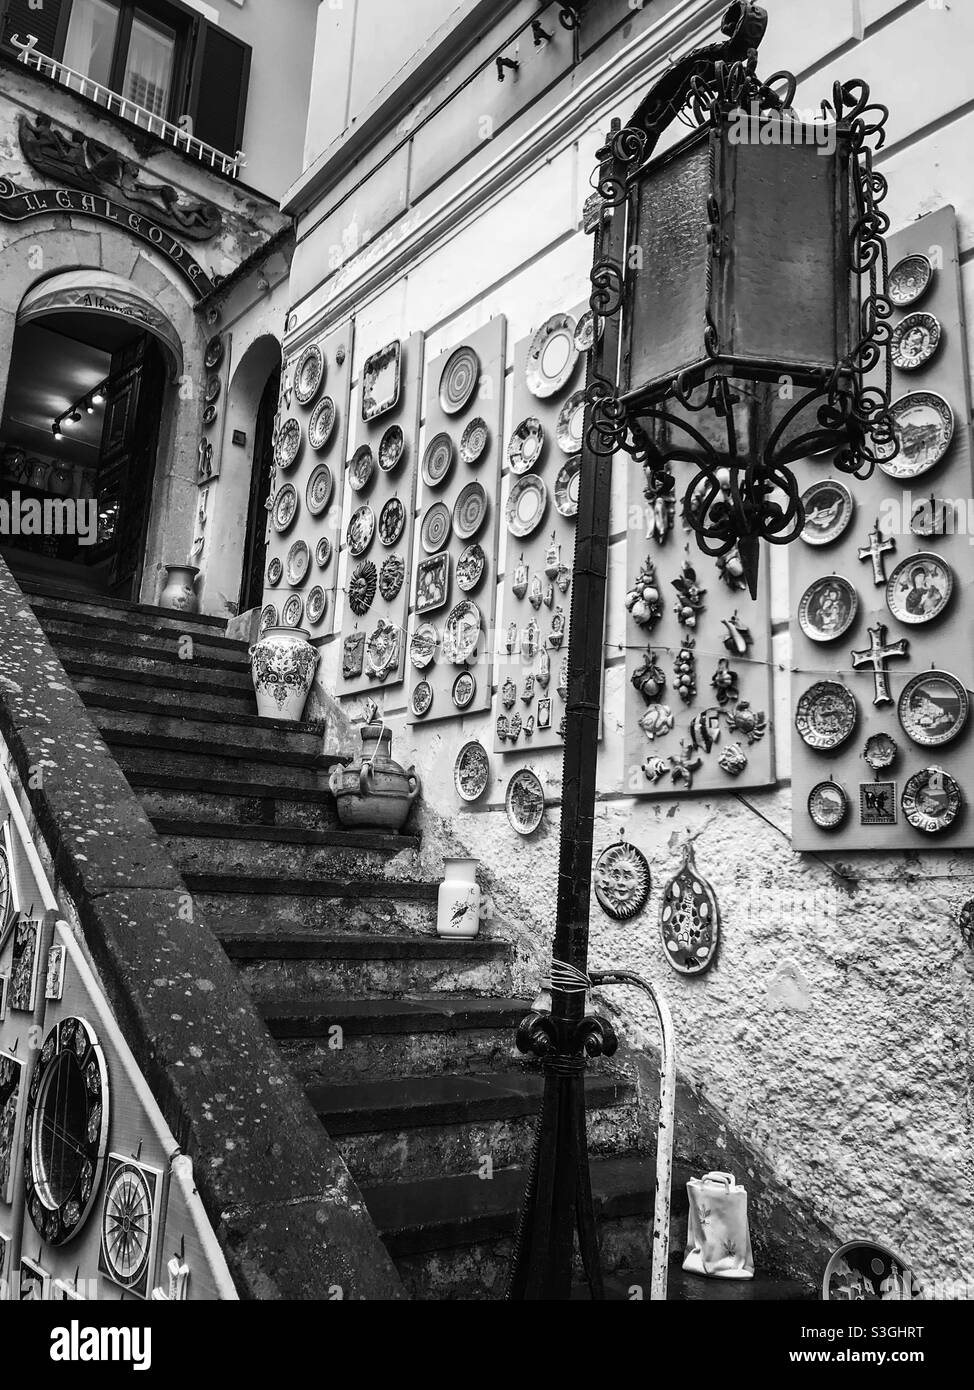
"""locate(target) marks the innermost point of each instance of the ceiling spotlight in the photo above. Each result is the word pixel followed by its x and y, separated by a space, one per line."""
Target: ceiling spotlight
pixel 75 417
pixel 98 396
pixel 57 429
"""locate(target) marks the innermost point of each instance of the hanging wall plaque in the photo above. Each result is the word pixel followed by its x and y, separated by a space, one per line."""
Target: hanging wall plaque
pixel 690 919
pixel 622 881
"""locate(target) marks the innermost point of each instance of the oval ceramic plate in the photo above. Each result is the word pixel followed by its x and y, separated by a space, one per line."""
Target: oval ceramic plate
pixel 269 618
pixel 361 468
pixel 435 530
pixel 934 708
pixel 309 374
pixel 462 632
pixel 209 416
pixel 288 444
pixel 464 690
pixel 459 381
pixel 526 506
pixel 285 508
pixel 622 881
pixel 316 606
pixel 919 589
pixel 526 446
pixel 828 609
pixel 909 280
pixel 828 806
pixel 589 331
pixel 361 529
pixel 275 572
pixel 915 341
pixel 571 424
pixel 214 353
pixel 320 487
pixel 470 568
pixel 322 423
pixel 470 511
pixel 566 487
pixel 471 773
pixel 829 508
pixel 827 715
pixel 552 356
pixel 931 801
pixel 422 699
pixel 525 802
pixel 213 388
pixel 293 611
pixel 323 553
pixel 924 425
pixel 392 522
pixel 422 647
pixel 438 460
pixel 392 449
pixel 474 441
pixel 392 576
pixel 298 564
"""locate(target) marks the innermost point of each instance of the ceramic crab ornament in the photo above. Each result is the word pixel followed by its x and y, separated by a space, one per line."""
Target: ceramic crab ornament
pixel 644 601
pixel 690 597
pixel 649 679
pixel 689 920
pixel 685 672
pixel 752 723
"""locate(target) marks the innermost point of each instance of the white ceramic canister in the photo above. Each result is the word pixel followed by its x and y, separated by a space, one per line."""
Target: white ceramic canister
pixel 458 902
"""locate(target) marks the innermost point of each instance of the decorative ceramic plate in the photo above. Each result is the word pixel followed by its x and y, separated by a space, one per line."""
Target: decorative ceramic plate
pixel 525 802
pixel 622 881
pixel 915 341
pixel 422 647
pixel 459 381
pixel 827 715
pixel 324 417
pixel 934 708
pixel 438 460
pixel 298 564
pixel 828 806
pixel 589 331
pixel 269 618
pixel 567 486
pixel 309 374
pixel 470 511
pixel 422 699
pixel 361 529
pixel 362 588
pixel 285 508
pixel 919 589
pixel 213 388
pixel 864 1272
pixel 432 583
pixel 471 773
pixel 829 508
pixel 435 530
pixel 214 353
pixel 323 552
pixel 462 632
pixel 470 568
pixel 382 651
pixel 381 379
pixel 526 506
pixel 293 611
pixel 321 484
pixel 924 425
pixel 828 609
pixel 880 752
pixel 552 356
pixel 275 572
pixel 474 441
pixel 316 606
pixel 909 280
pixel 392 449
pixel 526 446
pixel 931 800
pixel 288 444
pixel 209 416
pixel 464 690
pixel 392 576
pixel 392 522
pixel 362 468
pixel 571 424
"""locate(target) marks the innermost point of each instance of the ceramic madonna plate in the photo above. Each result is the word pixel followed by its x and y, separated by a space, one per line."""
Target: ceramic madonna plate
pixel 571 424
pixel 827 715
pixel 362 468
pixel 322 424
pixel 526 506
pixel 298 563
pixel 392 522
pixel 829 508
pixel 316 606
pixel 459 381
pixel 915 341
pixel 909 280
pixel 285 508
pixel 934 708
pixel 526 446
pixel 464 690
pixel 361 529
pixel 288 444
pixel 828 806
pixel 422 647
pixel 438 460
pixel 275 572
pixel 309 374
pixel 924 425
pixel 931 801
pixel 828 609
pixel 552 357
pixel 321 484
pixel 435 530
pixel 473 442
pixel 470 511
pixel 470 568
pixel 525 802
pixel 919 589
pixel 421 700
pixel 462 633
pixel 471 773
pixel 566 488
pixel 432 583
pixel 381 381
pixel 392 449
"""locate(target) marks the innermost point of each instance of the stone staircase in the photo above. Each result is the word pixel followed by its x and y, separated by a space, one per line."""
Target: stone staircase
pixel 403 1042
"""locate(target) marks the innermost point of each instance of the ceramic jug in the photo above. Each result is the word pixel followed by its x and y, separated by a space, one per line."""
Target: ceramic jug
pixel 375 792
pixel 180 589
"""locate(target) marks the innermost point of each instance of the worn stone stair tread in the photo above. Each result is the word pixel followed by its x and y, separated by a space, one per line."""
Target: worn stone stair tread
pixel 264 943
pixel 164 708
pixel 204 746
pixel 684 1287
pixel 272 886
pixel 193 679
pixel 41 589
pixel 287 835
pixel 140 647
pixel 134 632
pixel 149 779
pixel 407 1014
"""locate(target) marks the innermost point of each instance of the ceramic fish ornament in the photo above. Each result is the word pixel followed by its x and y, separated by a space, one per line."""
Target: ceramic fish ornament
pixel 689 920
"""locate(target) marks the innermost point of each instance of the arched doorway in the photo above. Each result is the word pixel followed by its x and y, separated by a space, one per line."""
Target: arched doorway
pixel 255 554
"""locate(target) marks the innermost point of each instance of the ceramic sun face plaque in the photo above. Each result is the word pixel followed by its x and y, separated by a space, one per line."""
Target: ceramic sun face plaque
pixel 689 920
pixel 934 708
pixel 622 882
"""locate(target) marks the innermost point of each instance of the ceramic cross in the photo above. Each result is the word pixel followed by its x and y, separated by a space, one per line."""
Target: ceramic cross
pixel 877 550
pixel 876 658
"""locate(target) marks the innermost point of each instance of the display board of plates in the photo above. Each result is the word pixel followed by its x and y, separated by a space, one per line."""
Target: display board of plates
pixel 542 470
pixel 458 520
pixel 882 739
pixel 382 463
pixel 309 482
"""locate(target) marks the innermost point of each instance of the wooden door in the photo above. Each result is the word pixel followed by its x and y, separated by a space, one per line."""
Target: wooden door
pixel 255 555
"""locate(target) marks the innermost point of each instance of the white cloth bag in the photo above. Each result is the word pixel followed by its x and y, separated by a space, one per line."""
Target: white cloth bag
pixel 718 1236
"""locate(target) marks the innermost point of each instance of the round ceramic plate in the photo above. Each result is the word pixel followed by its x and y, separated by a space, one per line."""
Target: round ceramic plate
pixel 361 468
pixel 464 690
pixel 827 715
pixel 909 280
pixel 209 416
pixel 829 508
pixel 293 611
pixel 316 606
pixel 622 881
pixel 421 701
pixel 919 589
pixel 571 424
pixel 392 449
pixel 214 353
pixel 361 529
pixel 526 506
pixel 392 576
pixel 924 425
pixel 288 444
pixel 828 806
pixel 422 647
pixel 931 801
pixel 392 522
pixel 285 508
pixel 470 511
pixel 309 374
pixel 526 446
pixel 438 460
pixel 552 356
pixel 275 572
pixel 322 423
pixel 323 553
pixel 298 564
pixel 525 802
pixel 462 632
pixel 566 487
pixel 435 530
pixel 269 618
pixel 589 331
pixel 320 487
pixel 459 381
pixel 915 341
pixel 471 773
pixel 213 388
pixel 362 588
pixel 470 568
pixel 864 1272
pixel 474 441
pixel 828 609
pixel 934 708
pixel 880 752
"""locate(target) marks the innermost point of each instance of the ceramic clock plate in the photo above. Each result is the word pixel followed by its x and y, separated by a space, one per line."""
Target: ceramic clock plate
pixel 552 357
pixel 473 442
pixel 459 381
pixel 392 576
pixel 361 529
pixel 571 424
pixel 525 802
pixel 422 647
pixel 924 425
pixel 526 446
pixel 931 801
pixel 362 468
pixel 567 486
pixel 464 690
pixel 288 444
pixel 526 506
pixel 471 773
pixel 829 508
pixel 919 589
pixel 322 423
pixel 470 568
pixel 323 552
pixel 392 522
pixel 309 374
pixel 435 530
pixel 470 511
pixel 432 583
pixel 285 508
pixel 392 449
pixel 828 609
pixel 293 611
pixel 909 280
pixel 298 563
pixel 381 382
pixel 321 484
pixel 362 588
pixel 827 715
pixel 438 460
pixel 275 572
pixel 316 605
pixel 462 632
pixel 934 708
pixel 422 699
pixel 828 806
pixel 269 617
pixel 915 341
pixel 589 331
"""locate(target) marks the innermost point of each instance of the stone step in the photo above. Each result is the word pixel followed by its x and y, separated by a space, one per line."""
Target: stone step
pixel 48 599
pixel 183 708
pixel 219 771
pixel 185 798
pixel 196 687
pixel 332 909
pixel 282 853
pixel 413 1128
pixel 276 965
pixel 145 651
pixel 682 1287
pixel 267 741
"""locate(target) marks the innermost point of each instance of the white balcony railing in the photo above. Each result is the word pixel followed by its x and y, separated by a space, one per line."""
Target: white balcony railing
pixel 140 116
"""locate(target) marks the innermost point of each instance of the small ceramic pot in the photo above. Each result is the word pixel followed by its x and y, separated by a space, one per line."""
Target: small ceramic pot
pixel 374 793
pixel 458 902
pixel 180 590
pixel 283 665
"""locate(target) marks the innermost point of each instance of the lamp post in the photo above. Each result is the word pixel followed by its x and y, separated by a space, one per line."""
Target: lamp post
pixel 741 266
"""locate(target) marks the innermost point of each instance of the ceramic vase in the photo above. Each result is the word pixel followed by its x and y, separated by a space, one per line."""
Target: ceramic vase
pixel 283 665
pixel 458 901
pixel 375 793
pixel 180 589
